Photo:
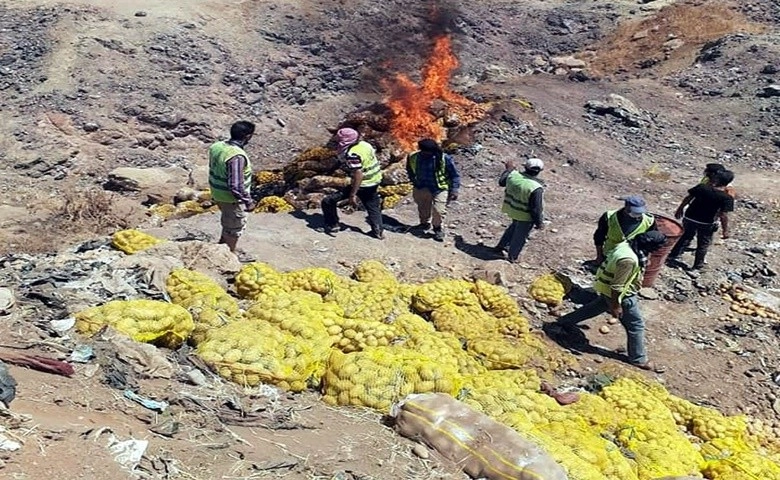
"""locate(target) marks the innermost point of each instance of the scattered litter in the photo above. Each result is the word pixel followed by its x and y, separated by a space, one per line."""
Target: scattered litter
pixel 81 354
pixel 42 364
pixel 63 325
pixel 6 300
pixel 146 360
pixel 167 429
pixel 196 377
pixel 146 402
pixel 127 453
pixel 8 445
pixel 7 386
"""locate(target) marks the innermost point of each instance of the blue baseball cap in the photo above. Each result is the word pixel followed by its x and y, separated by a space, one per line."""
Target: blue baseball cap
pixel 635 204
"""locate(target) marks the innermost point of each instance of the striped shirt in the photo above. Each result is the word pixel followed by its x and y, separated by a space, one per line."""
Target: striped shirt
pixel 235 179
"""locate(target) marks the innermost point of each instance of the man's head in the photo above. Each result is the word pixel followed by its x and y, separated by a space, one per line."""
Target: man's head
pixel 712 168
pixel 723 178
pixel 347 137
pixel 634 206
pixel 428 145
pixel 242 131
pixel 648 242
pixel 533 166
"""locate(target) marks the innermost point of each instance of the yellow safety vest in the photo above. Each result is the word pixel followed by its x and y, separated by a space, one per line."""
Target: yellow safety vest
pixel 517 195
pixel 441 170
pixel 372 170
pixel 219 153
pixel 606 272
pixel 615 233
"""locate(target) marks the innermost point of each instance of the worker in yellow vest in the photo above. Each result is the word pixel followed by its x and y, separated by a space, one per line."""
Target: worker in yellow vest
pixel 435 182
pixel 616 226
pixel 358 158
pixel 618 281
pixel 230 182
pixel 523 203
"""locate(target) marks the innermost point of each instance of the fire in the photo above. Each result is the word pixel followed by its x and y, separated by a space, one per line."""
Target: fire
pixel 411 103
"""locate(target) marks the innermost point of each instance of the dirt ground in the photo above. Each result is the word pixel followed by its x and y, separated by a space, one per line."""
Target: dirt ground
pixel 93 85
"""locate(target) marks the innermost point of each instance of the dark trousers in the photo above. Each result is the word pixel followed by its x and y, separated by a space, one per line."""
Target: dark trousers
pixel 703 234
pixel 514 237
pixel 369 197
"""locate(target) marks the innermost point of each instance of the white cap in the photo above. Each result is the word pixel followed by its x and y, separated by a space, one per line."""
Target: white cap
pixel 534 163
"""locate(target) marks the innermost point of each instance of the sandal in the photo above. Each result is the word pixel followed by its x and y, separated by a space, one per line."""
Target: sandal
pixel 650 367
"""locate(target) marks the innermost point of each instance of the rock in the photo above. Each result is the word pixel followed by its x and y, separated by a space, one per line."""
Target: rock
pixel 770 91
pixel 185 194
pixel 140 13
pixel 147 180
pixel 641 34
pixel 673 44
pixel 619 107
pixel 770 69
pixel 90 127
pixel 494 277
pixel 7 386
pixel 604 329
pixel 421 451
pixel 649 293
pixel 568 62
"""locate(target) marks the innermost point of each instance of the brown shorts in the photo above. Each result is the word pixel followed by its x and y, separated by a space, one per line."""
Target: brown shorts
pixel 233 218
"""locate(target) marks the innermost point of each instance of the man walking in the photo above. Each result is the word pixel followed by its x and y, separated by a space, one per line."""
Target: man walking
pixel 358 157
pixel 230 181
pixel 523 203
pixel 618 280
pixel 705 203
pixel 616 226
pixel 436 183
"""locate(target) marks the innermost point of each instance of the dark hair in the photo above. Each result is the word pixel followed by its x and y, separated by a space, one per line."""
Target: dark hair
pixel 723 178
pixel 242 129
pixel 712 168
pixel 649 242
pixel 533 171
pixel 428 145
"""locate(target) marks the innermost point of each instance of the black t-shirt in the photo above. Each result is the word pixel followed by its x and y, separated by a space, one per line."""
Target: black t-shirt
pixel 707 203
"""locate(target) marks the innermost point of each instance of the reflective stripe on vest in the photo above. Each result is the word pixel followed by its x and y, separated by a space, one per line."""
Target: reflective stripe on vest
pixel 441 170
pixel 517 195
pixel 372 170
pixel 606 272
pixel 615 233
pixel 219 153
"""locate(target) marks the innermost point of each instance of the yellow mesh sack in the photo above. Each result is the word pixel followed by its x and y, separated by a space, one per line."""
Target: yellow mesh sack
pixel 412 324
pixel 251 352
pixel 209 310
pixel 634 403
pixel 256 278
pixel 273 204
pixel 432 295
pixel 132 241
pixel 595 411
pixel 353 335
pixel 444 348
pixel 379 377
pixel 547 289
pixel 499 352
pixel 148 321
pixel 304 315
pixel 183 283
pixel 372 271
pixel 709 424
pixel 514 326
pixel 520 404
pixel 727 459
pixel 376 302
pixel 465 322
pixel 317 280
pixel 503 380
pixel 495 300
pixel 658 452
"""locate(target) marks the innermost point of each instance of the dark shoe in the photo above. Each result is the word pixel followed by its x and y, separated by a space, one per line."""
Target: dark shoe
pixel 438 235
pixel 699 266
pixel 422 227
pixel 244 257
pixel 330 229
pixel 498 249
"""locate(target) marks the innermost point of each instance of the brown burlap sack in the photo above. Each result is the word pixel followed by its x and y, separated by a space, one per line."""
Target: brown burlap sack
pixel 482 447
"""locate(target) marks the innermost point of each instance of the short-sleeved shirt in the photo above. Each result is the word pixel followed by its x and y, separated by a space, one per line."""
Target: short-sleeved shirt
pixel 707 203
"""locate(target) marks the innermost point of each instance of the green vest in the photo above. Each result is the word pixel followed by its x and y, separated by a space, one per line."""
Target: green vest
pixel 372 173
pixel 615 233
pixel 219 153
pixel 441 171
pixel 606 272
pixel 517 195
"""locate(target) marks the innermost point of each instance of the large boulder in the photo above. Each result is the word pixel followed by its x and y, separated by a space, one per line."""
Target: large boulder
pixel 159 183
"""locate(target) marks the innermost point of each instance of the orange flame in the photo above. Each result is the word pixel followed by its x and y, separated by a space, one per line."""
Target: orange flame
pixel 410 103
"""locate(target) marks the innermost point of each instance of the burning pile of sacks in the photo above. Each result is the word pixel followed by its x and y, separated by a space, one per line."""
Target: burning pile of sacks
pixel 371 340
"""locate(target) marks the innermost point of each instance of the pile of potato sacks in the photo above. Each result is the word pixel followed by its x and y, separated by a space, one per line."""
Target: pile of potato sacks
pixel 370 340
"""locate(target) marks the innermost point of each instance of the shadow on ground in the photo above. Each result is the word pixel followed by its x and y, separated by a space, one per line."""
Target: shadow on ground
pixel 477 250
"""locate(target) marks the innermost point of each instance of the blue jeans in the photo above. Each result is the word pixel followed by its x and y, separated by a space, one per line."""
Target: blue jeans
pixel 515 237
pixel 631 319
